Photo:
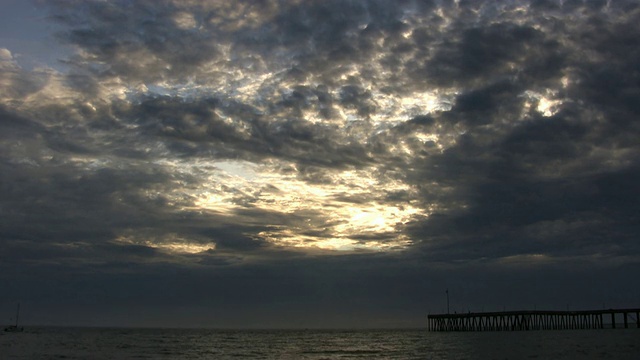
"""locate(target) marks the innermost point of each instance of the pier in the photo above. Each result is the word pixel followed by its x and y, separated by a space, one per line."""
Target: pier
pixel 535 320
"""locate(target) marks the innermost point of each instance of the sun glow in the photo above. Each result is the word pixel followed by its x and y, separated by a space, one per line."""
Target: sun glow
pixel 335 215
pixel 544 103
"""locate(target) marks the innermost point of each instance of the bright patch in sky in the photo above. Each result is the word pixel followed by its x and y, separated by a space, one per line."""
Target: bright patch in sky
pixel 343 210
pixel 546 105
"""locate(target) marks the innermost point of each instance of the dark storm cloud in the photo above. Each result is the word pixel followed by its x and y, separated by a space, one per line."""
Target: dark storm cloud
pixel 136 40
pixel 537 187
pixel 527 169
pixel 542 187
pixel 480 53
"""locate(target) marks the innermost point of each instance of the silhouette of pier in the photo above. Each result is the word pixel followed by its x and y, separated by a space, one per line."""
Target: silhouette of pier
pixel 535 320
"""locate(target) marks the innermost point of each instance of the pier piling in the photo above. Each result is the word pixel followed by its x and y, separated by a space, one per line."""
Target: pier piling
pixel 529 320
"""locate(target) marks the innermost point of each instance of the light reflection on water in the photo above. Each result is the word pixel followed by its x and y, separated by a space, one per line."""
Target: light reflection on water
pixel 79 343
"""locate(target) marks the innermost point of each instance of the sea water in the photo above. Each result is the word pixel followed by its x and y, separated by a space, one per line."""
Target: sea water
pixel 92 343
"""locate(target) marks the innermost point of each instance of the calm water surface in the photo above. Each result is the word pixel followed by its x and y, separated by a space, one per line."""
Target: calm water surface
pixel 83 343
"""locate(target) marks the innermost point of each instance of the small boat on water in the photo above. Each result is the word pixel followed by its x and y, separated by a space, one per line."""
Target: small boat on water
pixel 15 328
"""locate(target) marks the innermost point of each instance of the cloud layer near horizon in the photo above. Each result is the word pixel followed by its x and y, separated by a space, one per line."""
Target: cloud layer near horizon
pixel 342 135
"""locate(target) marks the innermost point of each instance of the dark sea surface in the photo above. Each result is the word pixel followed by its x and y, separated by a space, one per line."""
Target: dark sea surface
pixel 93 343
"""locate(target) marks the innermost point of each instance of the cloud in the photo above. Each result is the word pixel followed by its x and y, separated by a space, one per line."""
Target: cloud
pixel 315 95
pixel 416 137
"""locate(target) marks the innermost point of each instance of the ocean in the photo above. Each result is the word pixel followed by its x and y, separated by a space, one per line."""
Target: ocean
pixel 100 343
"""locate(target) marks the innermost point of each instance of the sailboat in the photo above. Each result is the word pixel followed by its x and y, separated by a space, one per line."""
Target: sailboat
pixel 15 328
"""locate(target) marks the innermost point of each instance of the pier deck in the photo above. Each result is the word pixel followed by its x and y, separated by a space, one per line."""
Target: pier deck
pixel 534 320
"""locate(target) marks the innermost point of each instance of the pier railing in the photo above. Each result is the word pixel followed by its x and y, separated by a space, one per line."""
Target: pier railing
pixel 534 320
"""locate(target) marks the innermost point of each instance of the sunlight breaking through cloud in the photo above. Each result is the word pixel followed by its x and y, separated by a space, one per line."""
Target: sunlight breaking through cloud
pixel 343 212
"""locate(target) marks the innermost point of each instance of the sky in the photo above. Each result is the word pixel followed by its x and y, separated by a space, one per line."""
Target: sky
pixel 316 164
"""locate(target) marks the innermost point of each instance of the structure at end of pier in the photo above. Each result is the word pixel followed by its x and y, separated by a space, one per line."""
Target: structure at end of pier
pixel 535 320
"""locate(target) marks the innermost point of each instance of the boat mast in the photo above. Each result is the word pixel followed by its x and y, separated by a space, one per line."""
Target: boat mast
pixel 17 314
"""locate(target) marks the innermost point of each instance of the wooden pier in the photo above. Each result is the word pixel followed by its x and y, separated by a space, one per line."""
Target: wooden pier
pixel 535 320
